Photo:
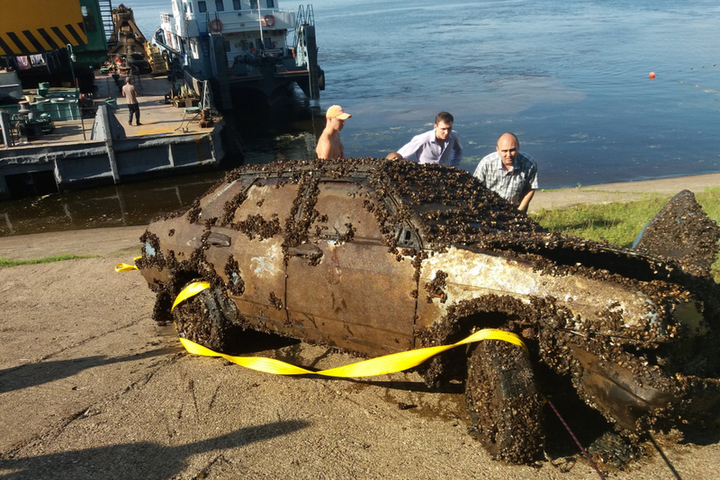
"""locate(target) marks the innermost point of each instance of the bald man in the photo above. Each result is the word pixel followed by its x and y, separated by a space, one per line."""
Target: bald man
pixel 509 172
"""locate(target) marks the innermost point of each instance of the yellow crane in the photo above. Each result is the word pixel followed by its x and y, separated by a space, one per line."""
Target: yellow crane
pixel 28 27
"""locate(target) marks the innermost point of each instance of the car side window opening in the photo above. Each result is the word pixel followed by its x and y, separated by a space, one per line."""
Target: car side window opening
pixel 257 207
pixel 267 200
pixel 406 231
pixel 342 213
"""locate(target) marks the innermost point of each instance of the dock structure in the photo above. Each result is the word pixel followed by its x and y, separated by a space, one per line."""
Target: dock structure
pixel 86 150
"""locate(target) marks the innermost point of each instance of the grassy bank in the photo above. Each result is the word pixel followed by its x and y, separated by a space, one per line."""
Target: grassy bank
pixel 7 262
pixel 620 223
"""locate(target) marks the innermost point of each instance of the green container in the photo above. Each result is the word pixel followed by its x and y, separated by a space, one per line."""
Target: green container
pixel 44 85
pixel 42 91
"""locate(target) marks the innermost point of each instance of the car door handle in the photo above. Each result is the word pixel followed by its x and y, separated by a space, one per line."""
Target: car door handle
pixel 218 240
pixel 305 250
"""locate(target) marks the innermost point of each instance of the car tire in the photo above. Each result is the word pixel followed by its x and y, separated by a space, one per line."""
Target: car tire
pixel 208 318
pixel 504 402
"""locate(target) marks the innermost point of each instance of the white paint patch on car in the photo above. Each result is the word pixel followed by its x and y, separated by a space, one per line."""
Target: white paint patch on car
pixel 267 266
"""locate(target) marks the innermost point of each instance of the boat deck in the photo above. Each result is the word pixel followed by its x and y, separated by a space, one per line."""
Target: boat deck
pixel 157 117
pixel 105 149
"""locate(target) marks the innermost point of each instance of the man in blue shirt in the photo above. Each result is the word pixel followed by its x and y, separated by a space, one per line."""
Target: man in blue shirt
pixel 439 145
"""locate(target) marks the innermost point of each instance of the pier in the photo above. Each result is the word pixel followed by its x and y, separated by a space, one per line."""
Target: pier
pixel 85 150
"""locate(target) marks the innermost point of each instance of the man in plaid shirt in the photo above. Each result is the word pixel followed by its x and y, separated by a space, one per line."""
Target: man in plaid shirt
pixel 509 173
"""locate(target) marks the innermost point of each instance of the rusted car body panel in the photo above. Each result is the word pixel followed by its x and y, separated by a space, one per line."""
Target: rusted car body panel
pixel 358 297
pixel 378 257
pixel 471 274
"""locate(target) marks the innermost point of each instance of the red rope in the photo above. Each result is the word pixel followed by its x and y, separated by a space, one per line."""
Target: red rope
pixel 577 442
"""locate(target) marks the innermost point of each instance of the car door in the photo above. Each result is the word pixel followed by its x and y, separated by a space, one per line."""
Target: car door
pixel 345 287
pixel 252 215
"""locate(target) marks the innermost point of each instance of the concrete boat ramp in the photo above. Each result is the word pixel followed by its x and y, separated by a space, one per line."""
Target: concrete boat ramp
pixel 106 150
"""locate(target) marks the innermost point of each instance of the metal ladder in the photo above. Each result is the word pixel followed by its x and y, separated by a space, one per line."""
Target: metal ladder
pixel 106 15
pixel 305 16
pixel 205 102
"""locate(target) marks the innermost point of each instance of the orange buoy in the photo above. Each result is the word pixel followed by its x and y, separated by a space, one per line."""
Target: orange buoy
pixel 651 76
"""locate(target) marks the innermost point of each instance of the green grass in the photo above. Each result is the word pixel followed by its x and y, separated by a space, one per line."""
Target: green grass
pixel 7 262
pixel 620 223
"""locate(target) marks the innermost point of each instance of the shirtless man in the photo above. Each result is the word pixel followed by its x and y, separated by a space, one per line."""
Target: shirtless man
pixel 329 144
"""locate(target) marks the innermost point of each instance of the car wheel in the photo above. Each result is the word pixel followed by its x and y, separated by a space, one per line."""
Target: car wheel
pixel 208 318
pixel 504 402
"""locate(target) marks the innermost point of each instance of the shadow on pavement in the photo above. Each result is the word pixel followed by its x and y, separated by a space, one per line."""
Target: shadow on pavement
pixel 34 374
pixel 135 461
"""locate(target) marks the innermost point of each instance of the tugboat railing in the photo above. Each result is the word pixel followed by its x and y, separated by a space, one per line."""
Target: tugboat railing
pixel 305 16
pixel 310 15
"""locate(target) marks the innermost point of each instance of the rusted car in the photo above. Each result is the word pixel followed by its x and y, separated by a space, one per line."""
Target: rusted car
pixel 378 256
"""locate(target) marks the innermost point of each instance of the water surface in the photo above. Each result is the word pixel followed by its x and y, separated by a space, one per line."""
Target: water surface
pixel 569 78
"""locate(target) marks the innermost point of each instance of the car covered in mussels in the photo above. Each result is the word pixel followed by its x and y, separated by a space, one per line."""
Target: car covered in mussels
pixel 376 256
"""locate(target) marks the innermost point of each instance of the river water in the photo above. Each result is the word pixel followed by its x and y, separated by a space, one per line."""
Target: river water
pixel 569 78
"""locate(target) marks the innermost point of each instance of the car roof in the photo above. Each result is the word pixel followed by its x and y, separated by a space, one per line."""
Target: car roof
pixel 448 207
pixel 447 204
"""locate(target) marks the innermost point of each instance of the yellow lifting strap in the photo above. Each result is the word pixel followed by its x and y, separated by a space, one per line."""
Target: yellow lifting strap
pixel 124 267
pixel 28 27
pixel 395 362
pixel 189 291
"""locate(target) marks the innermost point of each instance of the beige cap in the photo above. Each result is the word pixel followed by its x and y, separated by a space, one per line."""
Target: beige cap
pixel 337 111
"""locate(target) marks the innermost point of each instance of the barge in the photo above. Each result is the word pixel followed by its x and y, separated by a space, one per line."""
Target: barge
pixel 59 128
pixel 105 150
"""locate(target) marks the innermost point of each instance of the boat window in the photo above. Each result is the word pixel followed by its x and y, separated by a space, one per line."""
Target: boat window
pixel 219 5
pixel 88 19
pixel 254 4
pixel 236 5
pixel 270 3
pixel 202 7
